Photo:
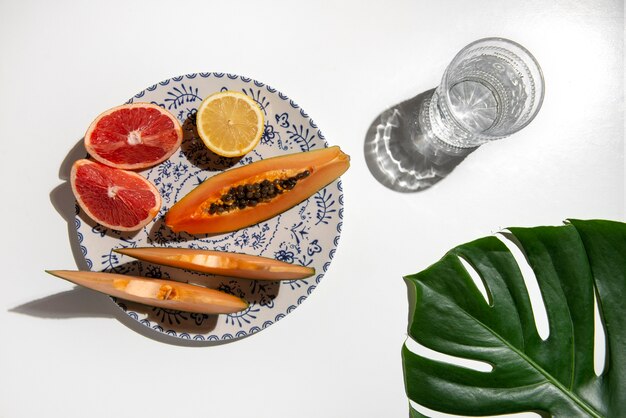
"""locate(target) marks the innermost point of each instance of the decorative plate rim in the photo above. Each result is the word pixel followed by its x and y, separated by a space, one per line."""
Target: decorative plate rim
pixel 211 337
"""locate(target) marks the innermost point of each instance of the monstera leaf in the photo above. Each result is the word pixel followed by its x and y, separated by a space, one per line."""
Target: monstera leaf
pixel 552 377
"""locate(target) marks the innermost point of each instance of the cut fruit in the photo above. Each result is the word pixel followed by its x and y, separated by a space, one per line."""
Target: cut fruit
pixel 230 123
pixel 168 294
pixel 118 199
pixel 133 136
pixel 221 263
pixel 250 194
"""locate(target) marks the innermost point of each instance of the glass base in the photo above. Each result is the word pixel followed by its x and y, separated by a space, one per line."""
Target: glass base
pixel 402 155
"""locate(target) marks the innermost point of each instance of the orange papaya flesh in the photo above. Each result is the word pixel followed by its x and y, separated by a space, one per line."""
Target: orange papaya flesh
pixel 168 294
pixel 220 263
pixel 193 212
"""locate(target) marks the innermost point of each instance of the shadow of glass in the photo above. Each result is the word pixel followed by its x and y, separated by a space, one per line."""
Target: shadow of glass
pixel 399 153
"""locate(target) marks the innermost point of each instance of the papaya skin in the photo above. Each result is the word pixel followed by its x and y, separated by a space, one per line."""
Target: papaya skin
pixel 220 263
pixel 190 214
pixel 168 294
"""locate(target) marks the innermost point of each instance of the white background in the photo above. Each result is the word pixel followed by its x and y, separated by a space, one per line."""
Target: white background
pixel 67 353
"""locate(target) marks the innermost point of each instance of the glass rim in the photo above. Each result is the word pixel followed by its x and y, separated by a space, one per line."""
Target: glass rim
pixel 540 81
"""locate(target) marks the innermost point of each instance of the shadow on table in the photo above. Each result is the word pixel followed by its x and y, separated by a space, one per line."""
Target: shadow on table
pixel 64 202
pixel 401 155
pixel 85 303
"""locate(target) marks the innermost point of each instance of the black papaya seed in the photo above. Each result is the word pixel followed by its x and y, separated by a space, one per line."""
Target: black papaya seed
pixel 244 195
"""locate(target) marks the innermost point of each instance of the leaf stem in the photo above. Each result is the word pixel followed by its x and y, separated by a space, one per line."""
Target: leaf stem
pixel 541 370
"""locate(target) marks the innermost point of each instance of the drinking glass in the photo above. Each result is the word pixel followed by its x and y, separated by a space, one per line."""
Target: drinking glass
pixel 492 88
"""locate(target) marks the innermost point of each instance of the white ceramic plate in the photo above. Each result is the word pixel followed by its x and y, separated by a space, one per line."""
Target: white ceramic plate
pixel 306 234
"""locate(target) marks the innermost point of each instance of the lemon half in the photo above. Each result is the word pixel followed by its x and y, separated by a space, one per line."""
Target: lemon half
pixel 230 123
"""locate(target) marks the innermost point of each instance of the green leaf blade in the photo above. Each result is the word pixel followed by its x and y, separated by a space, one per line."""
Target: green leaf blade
pixel 605 242
pixel 555 376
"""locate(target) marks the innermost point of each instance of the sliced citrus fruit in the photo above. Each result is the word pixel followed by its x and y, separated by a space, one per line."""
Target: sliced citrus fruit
pixel 230 123
pixel 133 136
pixel 118 199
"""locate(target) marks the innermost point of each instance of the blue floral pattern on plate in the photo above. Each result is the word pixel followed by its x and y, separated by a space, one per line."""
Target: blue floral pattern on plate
pixel 306 234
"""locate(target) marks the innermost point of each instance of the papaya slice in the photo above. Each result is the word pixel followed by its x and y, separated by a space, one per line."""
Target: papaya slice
pixel 221 263
pixel 250 194
pixel 167 294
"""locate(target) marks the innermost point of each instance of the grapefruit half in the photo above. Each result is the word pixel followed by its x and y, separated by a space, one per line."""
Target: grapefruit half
pixel 117 199
pixel 133 136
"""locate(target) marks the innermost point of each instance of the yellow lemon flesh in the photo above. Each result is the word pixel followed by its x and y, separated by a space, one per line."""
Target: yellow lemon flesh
pixel 230 123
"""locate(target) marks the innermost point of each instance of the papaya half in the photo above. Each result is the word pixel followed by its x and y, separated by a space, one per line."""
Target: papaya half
pixel 220 262
pixel 247 195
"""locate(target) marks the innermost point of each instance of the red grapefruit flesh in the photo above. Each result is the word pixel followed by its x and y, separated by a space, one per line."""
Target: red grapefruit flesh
pixel 118 199
pixel 133 136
